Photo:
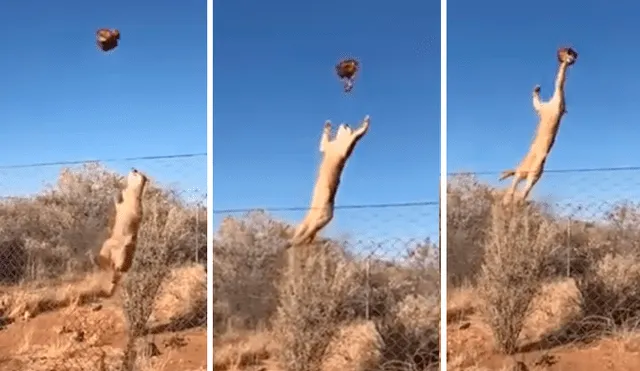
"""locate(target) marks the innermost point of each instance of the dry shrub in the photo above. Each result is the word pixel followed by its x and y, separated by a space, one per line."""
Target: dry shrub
pixel 234 351
pixel 314 305
pixel 517 251
pixel 410 335
pixel 518 246
pixel 331 299
pixel 356 346
pixel 335 301
pixel 166 228
pixel 55 233
pixel 182 299
pixel 247 262
pixel 622 229
pixel 610 274
pixel 553 313
pixel 611 290
pixel 469 205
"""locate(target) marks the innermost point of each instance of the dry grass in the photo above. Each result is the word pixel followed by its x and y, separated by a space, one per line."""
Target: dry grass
pixel 335 311
pixel 236 351
pixel 509 285
pixel 49 280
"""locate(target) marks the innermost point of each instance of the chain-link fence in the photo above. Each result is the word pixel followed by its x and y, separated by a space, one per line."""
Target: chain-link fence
pixel 367 296
pixel 531 278
pixel 56 307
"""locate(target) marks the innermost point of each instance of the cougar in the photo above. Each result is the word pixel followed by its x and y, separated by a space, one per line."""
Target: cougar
pixel 116 254
pixel 549 113
pixel 335 154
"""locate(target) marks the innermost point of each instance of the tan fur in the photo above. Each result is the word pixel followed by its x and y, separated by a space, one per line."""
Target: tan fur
pixel 118 250
pixel 335 152
pixel 550 114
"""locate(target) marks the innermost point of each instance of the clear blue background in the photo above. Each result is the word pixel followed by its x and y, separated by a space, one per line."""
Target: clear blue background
pixel 498 51
pixel 63 99
pixel 275 85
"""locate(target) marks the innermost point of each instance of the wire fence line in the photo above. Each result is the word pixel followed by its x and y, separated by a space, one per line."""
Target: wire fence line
pixel 337 207
pixel 374 272
pixel 582 193
pixel 564 268
pixel 379 229
pixel 559 171
pixel 53 219
pixel 104 160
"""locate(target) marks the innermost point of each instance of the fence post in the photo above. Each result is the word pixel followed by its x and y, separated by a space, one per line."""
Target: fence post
pixel 569 248
pixel 368 288
pixel 197 232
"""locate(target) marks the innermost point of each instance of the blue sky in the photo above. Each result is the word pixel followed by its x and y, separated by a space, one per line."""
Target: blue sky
pixel 63 99
pixel 499 50
pixel 274 86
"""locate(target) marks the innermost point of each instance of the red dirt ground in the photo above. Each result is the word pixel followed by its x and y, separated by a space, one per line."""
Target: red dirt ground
pixel 470 342
pixel 92 336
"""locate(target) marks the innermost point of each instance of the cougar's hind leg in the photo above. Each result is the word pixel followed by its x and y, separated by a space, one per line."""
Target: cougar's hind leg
pixel 299 233
pixel 321 218
pixel 114 282
pixel 533 177
pixel 509 194
pixel 324 218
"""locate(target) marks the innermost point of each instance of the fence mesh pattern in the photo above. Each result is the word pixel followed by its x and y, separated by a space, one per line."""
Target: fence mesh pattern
pixel 561 269
pixel 365 296
pixel 56 311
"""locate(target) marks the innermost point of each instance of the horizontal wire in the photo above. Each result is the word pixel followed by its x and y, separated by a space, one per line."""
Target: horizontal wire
pixel 576 170
pixel 79 162
pixel 358 206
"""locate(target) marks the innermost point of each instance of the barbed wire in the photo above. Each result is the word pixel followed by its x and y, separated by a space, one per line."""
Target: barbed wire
pixel 339 207
pixel 80 162
pixel 570 170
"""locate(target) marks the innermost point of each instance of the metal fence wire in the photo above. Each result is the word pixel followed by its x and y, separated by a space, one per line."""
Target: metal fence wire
pixel 561 269
pixel 366 296
pixel 56 312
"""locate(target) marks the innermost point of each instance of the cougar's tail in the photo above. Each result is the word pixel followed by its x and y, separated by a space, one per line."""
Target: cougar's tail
pixel 507 173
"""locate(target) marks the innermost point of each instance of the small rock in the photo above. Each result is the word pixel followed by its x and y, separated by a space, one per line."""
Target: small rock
pixel 175 342
pixel 78 336
pixel 465 326
pixel 63 330
pixel 546 360
pixel 151 350
pixel 520 366
pixel 97 307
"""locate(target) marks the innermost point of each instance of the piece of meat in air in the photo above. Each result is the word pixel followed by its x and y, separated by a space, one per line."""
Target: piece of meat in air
pixel 107 39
